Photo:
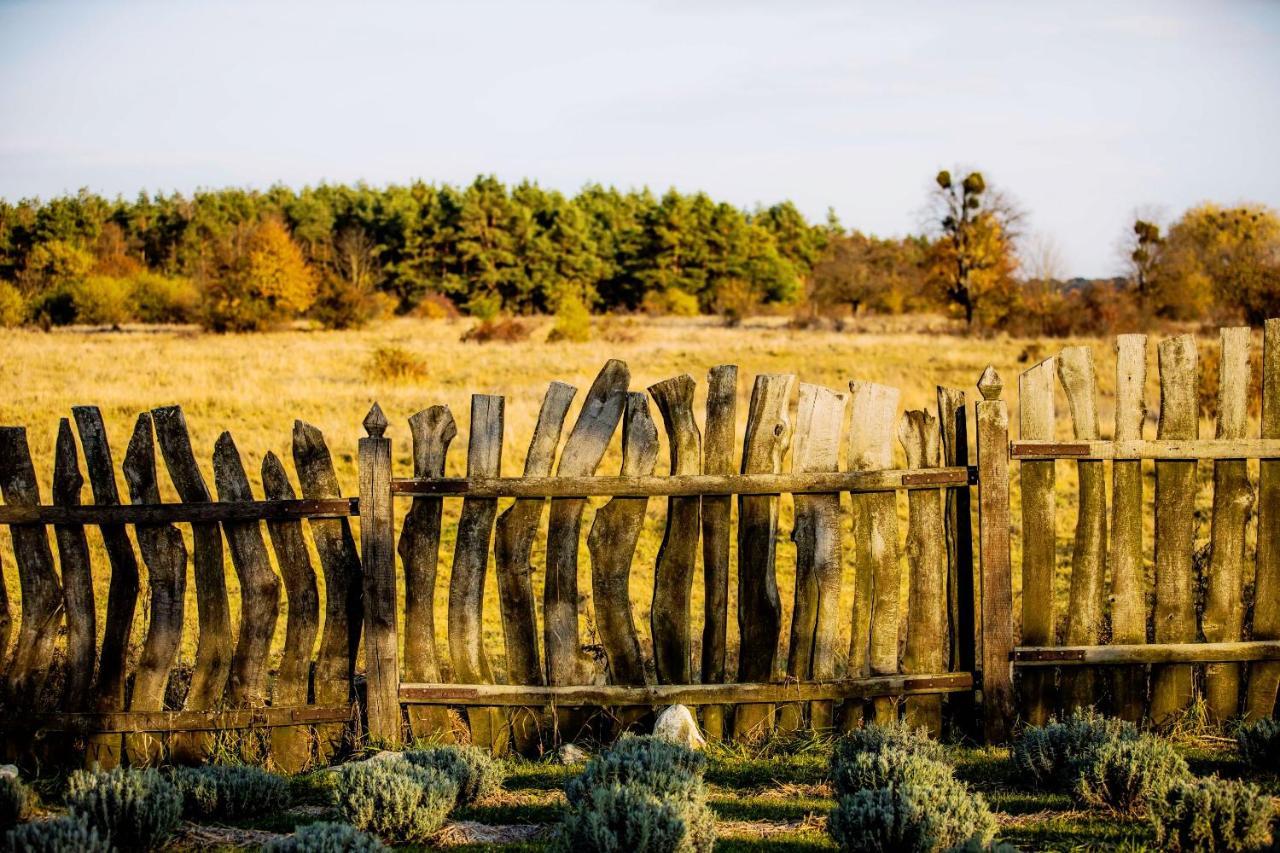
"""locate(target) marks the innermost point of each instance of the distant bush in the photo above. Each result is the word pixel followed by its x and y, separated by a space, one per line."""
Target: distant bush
pixel 66 834
pixel 391 363
pixel 1126 776
pixel 13 308
pixel 475 771
pixel 325 838
pixel 15 801
pixel 876 738
pixel 229 792
pixel 436 306
pixel 164 299
pixel 102 300
pixel 485 306
pixel 1210 815
pixel 504 330
pixel 670 301
pixel 55 306
pixel 394 799
pixel 659 765
pixel 573 322
pixel 1051 756
pixel 1259 744
pixel 133 809
pixel 912 819
pixel 631 818
pixel 886 767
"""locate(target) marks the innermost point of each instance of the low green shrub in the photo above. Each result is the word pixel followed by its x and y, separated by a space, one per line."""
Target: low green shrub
pixel 659 765
pixel 66 834
pixel 394 799
pixel 1051 756
pixel 15 801
pixel 1126 776
pixel 885 767
pixel 229 791
pixel 875 738
pixel 1209 815
pixel 910 818
pixel 164 299
pixel 133 809
pixel 13 307
pixel 325 838
pixel 573 322
pixel 975 846
pixel 630 818
pixel 477 773
pixel 1259 744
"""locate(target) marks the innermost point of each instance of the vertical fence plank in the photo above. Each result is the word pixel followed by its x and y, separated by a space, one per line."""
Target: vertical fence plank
pixel 873 646
pixel 291 745
pixel 213 612
pixel 1128 593
pixel 377 555
pixel 717 458
pixel 122 593
pixel 612 544
pixel 343 585
pixel 927 557
pixel 814 620
pixel 77 576
pixel 759 611
pixel 165 556
pixel 516 529
pixel 433 430
pixel 1264 677
pixel 259 586
pixel 1039 532
pixel 583 449
pixel 993 529
pixel 1089 554
pixel 38 580
pixel 678 554
pixel 961 597
pixel 470 561
pixel 1223 619
pixel 1175 607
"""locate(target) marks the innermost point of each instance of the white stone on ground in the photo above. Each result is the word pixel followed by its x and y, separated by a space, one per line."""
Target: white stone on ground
pixel 677 725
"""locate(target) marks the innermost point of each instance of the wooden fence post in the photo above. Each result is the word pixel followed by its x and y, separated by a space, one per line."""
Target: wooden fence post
pixel 378 554
pixel 993 533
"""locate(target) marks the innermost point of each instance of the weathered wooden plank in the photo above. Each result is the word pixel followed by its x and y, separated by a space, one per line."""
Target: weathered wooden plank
pixel 997 586
pixel 1128 577
pixel 122 592
pixel 77 577
pixel 717 459
pixel 291 746
pixel 1086 595
pixel 343 584
pixel 1223 618
pixel 814 616
pixel 1143 653
pixel 1264 678
pixel 678 554
pixel 131 722
pixel 259 586
pixel 1175 607
pixel 1039 532
pixel 927 559
pixel 180 512
pixel 612 695
pixel 433 430
pixel 612 544
pixel 165 556
pixel 470 561
pixel 601 411
pixel 759 611
pixel 378 556
pixel 37 578
pixel 213 612
pixel 953 419
pixel 1161 448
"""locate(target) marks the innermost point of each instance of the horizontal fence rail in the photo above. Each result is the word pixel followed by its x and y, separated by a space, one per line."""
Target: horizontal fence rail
pixel 183 512
pixel 1199 449
pixel 1119 654
pixel 127 722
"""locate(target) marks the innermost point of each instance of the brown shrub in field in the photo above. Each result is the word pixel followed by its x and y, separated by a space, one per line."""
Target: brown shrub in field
pixel 503 330
pixel 395 364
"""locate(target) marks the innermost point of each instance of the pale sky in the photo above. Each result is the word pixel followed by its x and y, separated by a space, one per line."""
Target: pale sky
pixel 1083 111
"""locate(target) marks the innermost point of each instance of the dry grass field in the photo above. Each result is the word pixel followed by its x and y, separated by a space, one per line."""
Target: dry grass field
pixel 256 385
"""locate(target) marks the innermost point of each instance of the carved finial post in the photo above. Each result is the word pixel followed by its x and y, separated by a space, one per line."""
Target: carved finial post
pixel 377 552
pixel 990 385
pixel 993 531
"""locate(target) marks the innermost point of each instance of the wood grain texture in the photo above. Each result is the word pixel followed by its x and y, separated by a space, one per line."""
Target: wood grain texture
pixel 873 645
pixel 1039 534
pixel 816 533
pixel 377 556
pixel 678 554
pixel 1175 607
pixel 997 587
pixel 1161 448
pixel 470 562
pixel 759 610
pixel 343 581
pixel 1128 575
pixel 1086 596
pixel 721 425
pixel 1264 678
pixel 77 577
pixel 433 430
pixel 1143 653
pixel 165 555
pixel 1223 617
pixel 291 745
pixel 259 586
pixel 962 599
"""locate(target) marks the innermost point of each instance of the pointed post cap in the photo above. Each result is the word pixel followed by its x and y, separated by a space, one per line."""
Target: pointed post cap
pixel 990 384
pixel 375 423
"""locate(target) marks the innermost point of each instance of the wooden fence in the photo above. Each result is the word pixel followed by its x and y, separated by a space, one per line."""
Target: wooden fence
pixel 952 637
